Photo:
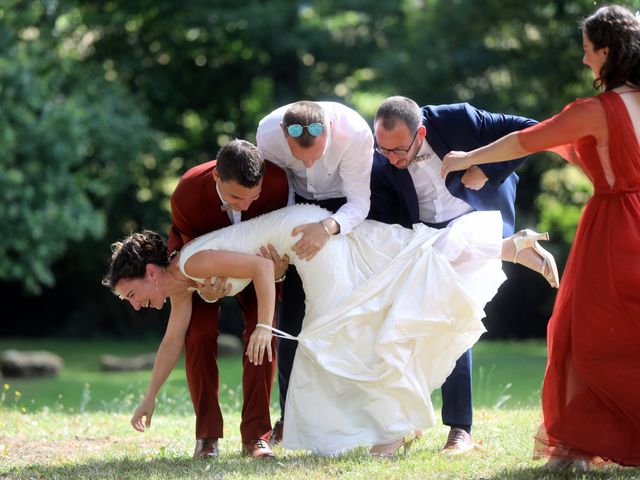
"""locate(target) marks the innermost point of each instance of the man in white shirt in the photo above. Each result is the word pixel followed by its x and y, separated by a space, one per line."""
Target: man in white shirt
pixel 326 149
pixel 407 188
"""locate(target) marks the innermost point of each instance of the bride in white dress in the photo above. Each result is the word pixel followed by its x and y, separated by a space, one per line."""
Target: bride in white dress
pixel 388 312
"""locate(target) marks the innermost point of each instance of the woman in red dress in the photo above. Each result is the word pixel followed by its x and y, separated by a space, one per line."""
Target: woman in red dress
pixel 591 392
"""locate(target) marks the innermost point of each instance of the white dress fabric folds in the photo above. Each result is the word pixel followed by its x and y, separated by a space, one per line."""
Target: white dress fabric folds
pixel 388 312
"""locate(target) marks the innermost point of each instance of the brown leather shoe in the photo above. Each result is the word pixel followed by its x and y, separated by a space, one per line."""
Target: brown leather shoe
pixel 276 434
pixel 206 448
pixel 257 449
pixel 458 442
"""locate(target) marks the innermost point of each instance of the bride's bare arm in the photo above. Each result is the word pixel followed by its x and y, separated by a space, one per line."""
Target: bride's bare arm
pixel 166 358
pixel 219 263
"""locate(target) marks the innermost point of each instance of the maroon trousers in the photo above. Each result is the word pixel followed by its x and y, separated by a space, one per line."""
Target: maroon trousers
pixel 203 377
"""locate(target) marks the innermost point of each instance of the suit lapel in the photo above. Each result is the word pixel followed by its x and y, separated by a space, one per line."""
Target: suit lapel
pixel 453 180
pixel 433 136
pixel 407 190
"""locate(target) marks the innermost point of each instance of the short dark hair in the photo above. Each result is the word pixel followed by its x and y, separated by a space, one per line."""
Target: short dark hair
pixel 398 108
pixel 304 112
pixel 240 161
pixel 616 28
pixel 130 257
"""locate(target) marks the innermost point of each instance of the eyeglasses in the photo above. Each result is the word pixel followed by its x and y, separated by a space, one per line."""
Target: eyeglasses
pixel 398 151
pixel 314 129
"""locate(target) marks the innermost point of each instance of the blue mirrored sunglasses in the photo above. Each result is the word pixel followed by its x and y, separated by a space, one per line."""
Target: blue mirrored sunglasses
pixel 314 129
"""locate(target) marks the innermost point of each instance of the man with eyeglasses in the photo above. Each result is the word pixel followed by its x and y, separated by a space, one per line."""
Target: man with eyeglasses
pixel 407 188
pixel 326 148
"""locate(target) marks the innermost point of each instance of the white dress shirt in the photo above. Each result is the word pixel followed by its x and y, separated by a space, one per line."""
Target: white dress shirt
pixel 235 217
pixel 436 203
pixel 343 171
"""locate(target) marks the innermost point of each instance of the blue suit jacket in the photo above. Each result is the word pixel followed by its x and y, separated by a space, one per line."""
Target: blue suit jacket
pixel 451 127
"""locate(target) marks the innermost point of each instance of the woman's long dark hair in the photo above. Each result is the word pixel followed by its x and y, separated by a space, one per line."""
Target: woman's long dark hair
pixel 131 256
pixel 616 28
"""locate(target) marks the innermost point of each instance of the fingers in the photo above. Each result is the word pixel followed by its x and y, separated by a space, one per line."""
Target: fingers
pixel 471 184
pixel 136 422
pixel 259 344
pixel 269 352
pixel 273 252
pixel 312 241
pixel 249 352
pixel 280 263
pixel 474 178
pixel 212 290
pixel 308 253
pixel 266 253
pixel 305 251
pixel 299 245
pixel 255 353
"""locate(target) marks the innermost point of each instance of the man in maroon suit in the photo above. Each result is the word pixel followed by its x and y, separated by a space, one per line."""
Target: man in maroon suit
pixel 237 186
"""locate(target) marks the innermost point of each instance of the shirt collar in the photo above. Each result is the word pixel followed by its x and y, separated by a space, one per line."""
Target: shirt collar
pixel 225 206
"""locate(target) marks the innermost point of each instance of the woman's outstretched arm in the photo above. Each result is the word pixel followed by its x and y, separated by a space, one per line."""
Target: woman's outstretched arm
pixel 218 263
pixel 166 358
pixel 579 119
pixel 502 150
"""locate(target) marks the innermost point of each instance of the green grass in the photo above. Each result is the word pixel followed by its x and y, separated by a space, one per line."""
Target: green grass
pixel 77 426
pixel 505 374
pixel 83 387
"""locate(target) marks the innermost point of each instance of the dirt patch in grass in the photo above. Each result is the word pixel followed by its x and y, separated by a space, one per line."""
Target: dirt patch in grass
pixel 18 452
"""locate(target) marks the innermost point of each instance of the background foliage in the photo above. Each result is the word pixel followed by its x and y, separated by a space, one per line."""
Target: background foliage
pixel 105 104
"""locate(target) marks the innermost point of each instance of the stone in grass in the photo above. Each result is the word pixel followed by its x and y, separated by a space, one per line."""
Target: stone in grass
pixel 229 345
pixel 30 364
pixel 115 363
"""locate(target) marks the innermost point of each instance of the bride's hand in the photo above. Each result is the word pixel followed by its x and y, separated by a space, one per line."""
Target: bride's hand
pixel 314 236
pixel 144 410
pixel 453 162
pixel 259 342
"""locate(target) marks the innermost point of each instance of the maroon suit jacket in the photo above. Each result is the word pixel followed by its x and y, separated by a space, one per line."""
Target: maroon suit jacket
pixel 196 206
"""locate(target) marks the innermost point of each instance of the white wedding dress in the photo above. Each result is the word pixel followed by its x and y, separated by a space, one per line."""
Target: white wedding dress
pixel 389 310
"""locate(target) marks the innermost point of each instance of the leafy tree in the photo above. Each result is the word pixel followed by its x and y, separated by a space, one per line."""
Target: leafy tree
pixel 71 141
pixel 106 103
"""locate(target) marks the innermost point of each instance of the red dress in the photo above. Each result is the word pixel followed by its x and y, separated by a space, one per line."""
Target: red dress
pixel 591 392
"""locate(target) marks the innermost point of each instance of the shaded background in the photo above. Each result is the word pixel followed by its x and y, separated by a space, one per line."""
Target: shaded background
pixel 104 104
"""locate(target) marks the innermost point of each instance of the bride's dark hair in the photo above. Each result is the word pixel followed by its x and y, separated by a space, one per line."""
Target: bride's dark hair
pixel 616 28
pixel 131 256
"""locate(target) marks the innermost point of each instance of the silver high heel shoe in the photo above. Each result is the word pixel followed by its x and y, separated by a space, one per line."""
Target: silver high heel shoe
pixel 560 464
pixel 405 444
pixel 529 239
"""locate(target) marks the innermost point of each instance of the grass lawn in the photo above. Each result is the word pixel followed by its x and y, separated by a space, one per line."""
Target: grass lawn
pixel 76 426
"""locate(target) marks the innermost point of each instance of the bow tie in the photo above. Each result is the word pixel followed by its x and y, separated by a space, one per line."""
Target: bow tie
pixel 420 158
